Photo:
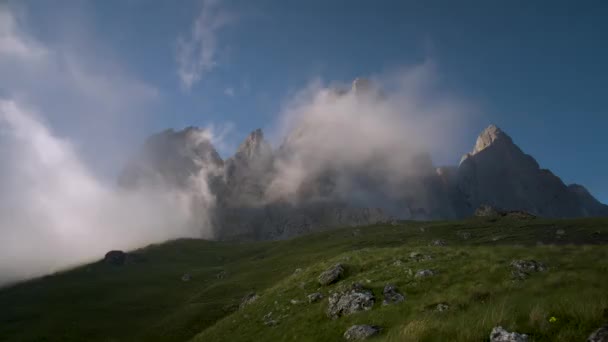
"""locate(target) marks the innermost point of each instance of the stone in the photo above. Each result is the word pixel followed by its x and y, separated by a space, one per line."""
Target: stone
pixel 600 335
pixel 314 297
pixel 441 307
pixel 499 334
pixel 438 243
pixel 115 258
pixel 424 273
pixel 486 210
pixel 560 232
pixel 186 277
pixel 268 320
pixel 464 235
pixel 349 302
pixel 248 299
pixel 521 269
pixel 419 256
pixel 391 295
pixel 361 332
pixel 298 270
pixel 331 275
pixel 221 275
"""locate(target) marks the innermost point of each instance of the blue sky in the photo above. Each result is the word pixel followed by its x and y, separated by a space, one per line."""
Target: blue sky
pixel 105 74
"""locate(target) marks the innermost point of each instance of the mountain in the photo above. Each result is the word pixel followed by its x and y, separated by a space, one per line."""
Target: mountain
pixel 254 200
pixel 498 173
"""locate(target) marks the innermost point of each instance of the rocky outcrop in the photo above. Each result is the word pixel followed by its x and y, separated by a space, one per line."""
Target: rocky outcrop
pixel 115 258
pixel 600 335
pixel 392 295
pixel 349 302
pixel 331 275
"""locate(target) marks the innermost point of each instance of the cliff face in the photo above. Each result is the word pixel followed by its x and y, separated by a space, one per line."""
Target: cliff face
pixel 242 201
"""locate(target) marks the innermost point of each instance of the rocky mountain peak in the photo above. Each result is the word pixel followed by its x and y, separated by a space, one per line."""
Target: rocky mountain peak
pixel 491 135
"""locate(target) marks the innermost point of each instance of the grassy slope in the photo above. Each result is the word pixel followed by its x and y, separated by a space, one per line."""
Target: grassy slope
pixel 147 301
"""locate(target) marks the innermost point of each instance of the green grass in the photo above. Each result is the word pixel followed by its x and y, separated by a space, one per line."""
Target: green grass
pixel 147 301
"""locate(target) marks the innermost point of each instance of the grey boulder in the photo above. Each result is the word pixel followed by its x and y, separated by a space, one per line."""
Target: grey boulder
pixel 349 302
pixel 361 332
pixel 331 275
pixel 499 334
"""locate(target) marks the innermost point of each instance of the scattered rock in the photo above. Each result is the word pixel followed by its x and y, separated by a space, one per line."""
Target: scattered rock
pixel 315 297
pixel 397 263
pixel 441 307
pixel 298 270
pixel 331 275
pixel 116 258
pixel 391 295
pixel 422 229
pixel 424 273
pixel 294 302
pixel 499 334
pixel 361 332
pixel 221 275
pixel 349 302
pixel 186 277
pixel 600 335
pixel 248 299
pixel 268 320
pixel 438 243
pixel 560 232
pixel 419 256
pixel 521 269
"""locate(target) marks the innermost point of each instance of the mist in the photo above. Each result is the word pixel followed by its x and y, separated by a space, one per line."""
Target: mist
pixel 54 213
pixel 383 130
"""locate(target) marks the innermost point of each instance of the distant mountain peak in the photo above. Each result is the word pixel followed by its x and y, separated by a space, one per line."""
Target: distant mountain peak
pixel 489 136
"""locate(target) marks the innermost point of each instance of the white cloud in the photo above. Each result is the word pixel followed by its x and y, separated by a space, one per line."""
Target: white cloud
pixel 229 92
pixel 15 44
pixel 196 54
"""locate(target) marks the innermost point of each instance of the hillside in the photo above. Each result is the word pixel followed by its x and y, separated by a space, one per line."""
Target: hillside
pixel 146 299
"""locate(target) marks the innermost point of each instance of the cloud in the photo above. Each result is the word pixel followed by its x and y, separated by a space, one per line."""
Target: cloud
pixel 378 134
pixel 15 44
pixel 229 92
pixel 196 54
pixel 54 213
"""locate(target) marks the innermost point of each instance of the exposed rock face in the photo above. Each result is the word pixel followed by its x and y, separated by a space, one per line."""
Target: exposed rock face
pixel 498 173
pixel 349 302
pixel 521 269
pixel 499 334
pixel 314 297
pixel 246 205
pixel 248 299
pixel 361 332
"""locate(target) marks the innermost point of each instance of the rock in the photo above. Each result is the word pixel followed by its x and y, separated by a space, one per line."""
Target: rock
pixel 314 297
pixel 248 299
pixel 116 258
pixel 600 335
pixel 221 275
pixel 560 232
pixel 268 320
pixel 294 302
pixel 419 256
pixel 464 235
pixel 424 273
pixel 397 263
pixel 499 334
pixel 361 332
pixel 331 275
pixel 486 210
pixel 521 269
pixel 186 277
pixel 391 295
pixel 438 243
pixel 298 270
pixel 349 302
pixel 441 307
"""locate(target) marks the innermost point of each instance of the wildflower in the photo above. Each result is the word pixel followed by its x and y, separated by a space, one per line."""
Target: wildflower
pixel 552 319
